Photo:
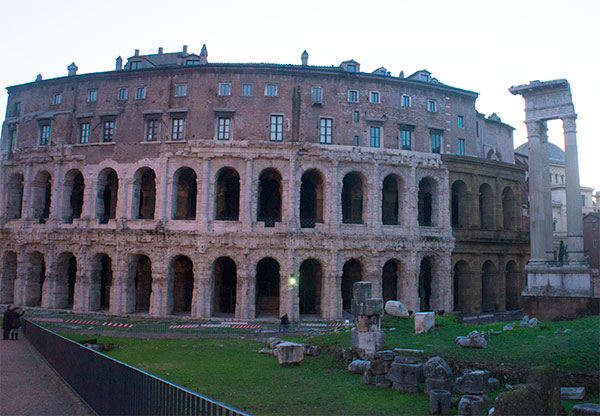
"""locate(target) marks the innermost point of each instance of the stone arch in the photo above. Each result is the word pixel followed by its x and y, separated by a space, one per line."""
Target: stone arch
pixel 486 207
pixel 311 198
pixel 185 189
pixel 425 280
pixel 509 209
pixel 390 200
pixel 224 286
pixel 514 286
pixel 42 196
pixel 389 280
pixel 459 205
pixel 8 277
pixel 143 202
pixel 352 272
pixel 427 203
pixel 227 195
pixel 14 196
pixel 142 282
pixel 35 279
pixel 102 276
pixel 310 287
pixel 107 193
pixel 66 276
pixel 73 192
pixel 462 286
pixel 181 274
pixel 489 287
pixel 269 197
pixel 352 198
pixel 267 287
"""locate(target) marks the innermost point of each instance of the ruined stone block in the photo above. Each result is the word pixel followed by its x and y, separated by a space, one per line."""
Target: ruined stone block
pixel 475 382
pixel 582 409
pixel 424 321
pixel 437 367
pixel 386 355
pixel 289 353
pixel 364 344
pixel 406 373
pixel 382 381
pixel 361 291
pixel 572 393
pixel 410 388
pixel 359 366
pixel 470 405
pixel 438 384
pixel 407 359
pixel 439 402
pixel 370 306
pixel 379 366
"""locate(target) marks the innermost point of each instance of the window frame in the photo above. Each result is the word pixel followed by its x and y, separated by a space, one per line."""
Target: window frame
pixel 277 134
pixel 406 137
pixel 325 130
pixel 224 131
pixel 134 65
pixel 123 94
pixel 177 128
pixel 224 89
pixel 45 131
pixel 461 147
pixel 460 122
pixel 57 98
pixel 353 93
pixel 436 137
pixel 431 105
pixel 140 93
pixel 271 90
pixel 181 90
pixel 356 140
pixel 152 129
pixel 92 95
pixel 317 95
pixel 374 97
pixel 375 140
pixel 109 127
pixel 247 90
pixel 84 132
pixel 405 101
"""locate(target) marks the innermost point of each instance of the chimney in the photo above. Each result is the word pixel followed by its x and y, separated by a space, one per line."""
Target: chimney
pixel 304 58
pixel 72 69
pixel 401 74
pixel 119 64
pixel 160 50
pixel 203 55
pixel 185 49
pixel 38 78
pixel 137 52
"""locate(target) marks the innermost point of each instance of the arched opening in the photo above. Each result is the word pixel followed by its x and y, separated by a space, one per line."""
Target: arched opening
pixel 489 283
pixel 228 195
pixel 14 197
pixel 225 284
pixel 182 275
pixel 42 196
pixel 7 280
pixel 35 279
pixel 427 190
pixel 309 287
pixel 514 286
pixel 351 273
pixel 186 190
pixel 509 209
pixel 66 275
pixel 73 191
pixel 101 282
pixel 144 194
pixel 425 285
pixel 267 287
pixel 390 201
pixel 390 280
pixel 459 204
pixel 311 199
pixel 352 199
pixel 269 197
pixel 107 191
pixel 486 207
pixel 462 285
pixel 143 283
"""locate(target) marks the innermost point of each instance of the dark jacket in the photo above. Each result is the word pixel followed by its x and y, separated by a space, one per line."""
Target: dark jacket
pixel 15 319
pixel 7 318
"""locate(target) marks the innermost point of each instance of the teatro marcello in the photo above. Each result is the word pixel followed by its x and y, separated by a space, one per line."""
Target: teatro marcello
pixel 177 186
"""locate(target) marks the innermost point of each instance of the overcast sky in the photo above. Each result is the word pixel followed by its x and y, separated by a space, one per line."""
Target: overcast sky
pixel 478 45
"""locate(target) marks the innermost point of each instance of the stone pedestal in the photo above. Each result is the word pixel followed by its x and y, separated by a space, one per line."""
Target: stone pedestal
pixel 367 337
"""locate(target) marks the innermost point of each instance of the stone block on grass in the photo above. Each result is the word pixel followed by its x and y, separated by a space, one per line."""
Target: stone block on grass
pixel 439 402
pixel 289 353
pixel 424 321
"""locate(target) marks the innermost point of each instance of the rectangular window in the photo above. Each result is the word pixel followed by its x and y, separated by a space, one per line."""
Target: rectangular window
pixel 108 131
pixel 461 147
pixel 583 200
pixel 177 129
pixel 151 130
pixel 44 134
pixel 436 142
pixel 122 94
pixel 135 65
pixel 224 128
pixel 406 136
pixel 375 97
pixel 180 90
pixel 276 129
pixel 375 135
pixel 405 101
pixel 16 109
pixel 84 134
pixel 92 96
pixel 461 122
pixel 356 141
pixel 57 99
pixel 247 90
pixel 271 90
pixel 326 130
pixel 317 93
pixel 12 139
pixel 477 128
pixel 353 96
pixel 431 106
pixel 225 88
pixel 140 93
pixel 351 68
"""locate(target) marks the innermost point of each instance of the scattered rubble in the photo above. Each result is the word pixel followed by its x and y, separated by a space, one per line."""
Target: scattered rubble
pixel 473 340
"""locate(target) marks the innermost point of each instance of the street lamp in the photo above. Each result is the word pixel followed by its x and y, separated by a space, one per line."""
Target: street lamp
pixel 293 285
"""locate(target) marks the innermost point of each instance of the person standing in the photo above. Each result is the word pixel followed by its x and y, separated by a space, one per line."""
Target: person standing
pixel 6 322
pixel 15 322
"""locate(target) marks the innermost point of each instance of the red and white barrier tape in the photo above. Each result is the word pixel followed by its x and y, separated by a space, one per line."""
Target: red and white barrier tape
pixel 117 324
pixel 82 321
pixel 183 326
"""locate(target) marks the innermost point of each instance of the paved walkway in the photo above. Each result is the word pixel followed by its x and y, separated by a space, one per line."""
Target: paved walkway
pixel 28 386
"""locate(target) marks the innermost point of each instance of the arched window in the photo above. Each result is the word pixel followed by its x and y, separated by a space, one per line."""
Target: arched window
pixel 390 280
pixel 269 197
pixel 7 279
pixel 186 189
pixel 267 287
pixel 42 196
pixel 514 285
pixel 36 278
pixel 390 201
pixel 427 203
pixel 227 196
pixel 14 197
pixel 182 278
pixel 66 276
pixel 309 287
pixel 459 204
pixel 144 194
pixel 462 285
pixel 311 199
pixel 489 287
pixel 509 209
pixel 107 192
pixel 225 286
pixel 73 191
pixel 351 273
pixel 143 283
pixel 486 207
pixel 425 278
pixel 352 199
pixel 101 282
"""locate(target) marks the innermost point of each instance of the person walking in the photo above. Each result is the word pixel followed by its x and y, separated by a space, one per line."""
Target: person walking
pixel 284 323
pixel 6 322
pixel 15 323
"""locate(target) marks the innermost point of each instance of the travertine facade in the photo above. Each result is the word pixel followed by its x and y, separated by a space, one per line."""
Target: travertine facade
pixel 176 186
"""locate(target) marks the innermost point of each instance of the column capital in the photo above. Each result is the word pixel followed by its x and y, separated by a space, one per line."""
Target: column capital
pixel 535 128
pixel 569 123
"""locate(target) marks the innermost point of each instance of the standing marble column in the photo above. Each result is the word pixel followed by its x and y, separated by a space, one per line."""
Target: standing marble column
pixel 547 191
pixel 574 219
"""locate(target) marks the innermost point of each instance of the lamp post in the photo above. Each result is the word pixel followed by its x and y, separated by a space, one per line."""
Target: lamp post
pixel 293 285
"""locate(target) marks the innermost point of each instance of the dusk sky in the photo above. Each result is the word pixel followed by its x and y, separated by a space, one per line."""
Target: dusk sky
pixel 475 45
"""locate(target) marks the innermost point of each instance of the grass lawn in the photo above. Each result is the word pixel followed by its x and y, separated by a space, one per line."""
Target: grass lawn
pixel 231 369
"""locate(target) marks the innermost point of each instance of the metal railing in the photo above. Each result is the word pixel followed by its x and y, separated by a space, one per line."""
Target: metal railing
pixel 111 387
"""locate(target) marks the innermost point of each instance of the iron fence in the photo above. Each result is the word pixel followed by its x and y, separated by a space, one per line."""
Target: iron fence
pixel 111 387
